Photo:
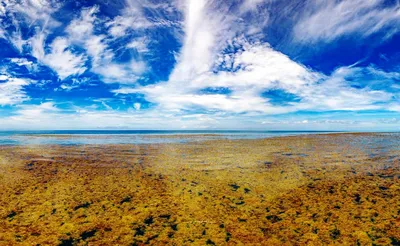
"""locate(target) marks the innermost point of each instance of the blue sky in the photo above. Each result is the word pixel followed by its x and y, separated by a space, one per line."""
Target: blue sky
pixel 198 64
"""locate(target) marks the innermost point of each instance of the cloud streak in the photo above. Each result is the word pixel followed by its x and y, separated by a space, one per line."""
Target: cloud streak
pixel 12 90
pixel 328 20
pixel 60 58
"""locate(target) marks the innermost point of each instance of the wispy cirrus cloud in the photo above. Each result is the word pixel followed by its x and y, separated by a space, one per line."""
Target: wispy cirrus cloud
pixel 132 17
pixel 327 20
pixel 60 58
pixel 15 15
pixel 66 60
pixel 139 44
pixel 102 57
pixel 32 10
pixel 12 90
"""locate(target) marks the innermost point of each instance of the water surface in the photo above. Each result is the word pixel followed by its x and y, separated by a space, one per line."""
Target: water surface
pixel 81 137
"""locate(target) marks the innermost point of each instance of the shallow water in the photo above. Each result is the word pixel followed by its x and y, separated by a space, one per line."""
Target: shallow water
pixel 317 189
pixel 85 137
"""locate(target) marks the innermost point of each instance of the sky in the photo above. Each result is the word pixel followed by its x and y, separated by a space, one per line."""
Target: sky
pixel 200 64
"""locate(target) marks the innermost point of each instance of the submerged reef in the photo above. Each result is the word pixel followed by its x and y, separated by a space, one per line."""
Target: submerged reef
pixel 338 189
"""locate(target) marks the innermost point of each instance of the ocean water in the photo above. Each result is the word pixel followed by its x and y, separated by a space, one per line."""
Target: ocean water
pixel 82 137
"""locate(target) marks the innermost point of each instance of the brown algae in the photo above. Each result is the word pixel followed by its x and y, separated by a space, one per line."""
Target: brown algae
pixel 340 189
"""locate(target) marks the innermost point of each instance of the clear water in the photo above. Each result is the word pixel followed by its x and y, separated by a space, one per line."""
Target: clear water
pixel 81 137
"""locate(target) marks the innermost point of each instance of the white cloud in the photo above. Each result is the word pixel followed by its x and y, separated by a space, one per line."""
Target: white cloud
pixel 139 44
pixel 36 10
pixel 81 29
pixel 3 7
pixel 327 20
pixel 121 24
pixel 252 70
pixel 81 32
pixel 209 59
pixel 139 16
pixel 132 18
pixel 205 28
pixel 252 5
pixel 60 59
pixel 48 116
pixel 390 120
pixel 63 61
pixel 313 123
pixel 257 65
pixel 2 33
pixel 39 11
pixel 256 68
pixel 22 62
pixel 335 93
pixel 12 90
pixel 66 87
pixel 63 57
pixel 35 112
pixel 16 40
pixel 394 107
pixel 31 13
pixel 120 73
pixel 137 106
pixel 37 45
pixel 97 50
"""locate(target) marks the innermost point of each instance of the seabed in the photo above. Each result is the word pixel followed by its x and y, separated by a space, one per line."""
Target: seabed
pixel 337 189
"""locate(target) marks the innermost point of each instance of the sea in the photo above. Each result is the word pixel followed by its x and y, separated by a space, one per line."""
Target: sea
pixel 98 137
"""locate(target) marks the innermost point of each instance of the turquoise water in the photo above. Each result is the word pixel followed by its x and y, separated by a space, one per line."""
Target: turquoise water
pixel 75 137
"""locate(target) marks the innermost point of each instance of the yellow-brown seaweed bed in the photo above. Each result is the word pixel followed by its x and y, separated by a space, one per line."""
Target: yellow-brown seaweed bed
pixel 338 189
